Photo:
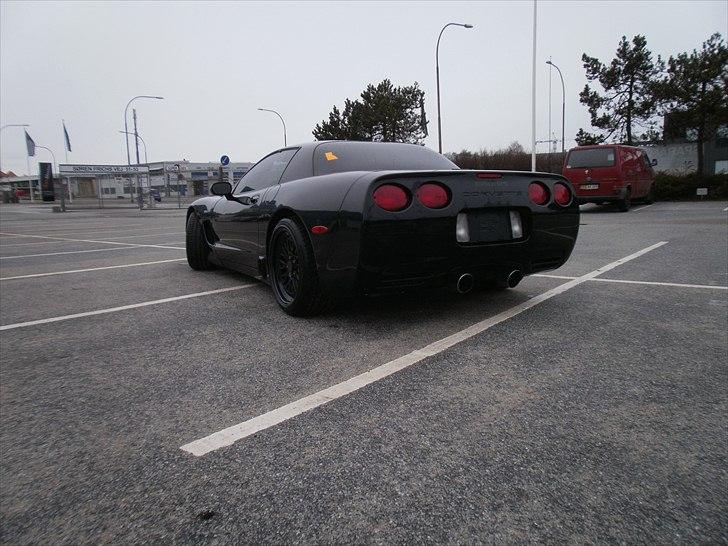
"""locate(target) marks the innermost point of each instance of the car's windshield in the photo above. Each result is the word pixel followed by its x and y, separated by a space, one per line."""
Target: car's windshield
pixel 594 157
pixel 338 157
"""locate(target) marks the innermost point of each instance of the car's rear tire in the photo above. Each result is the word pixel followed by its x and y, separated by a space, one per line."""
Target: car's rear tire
pixel 650 195
pixel 198 251
pixel 623 205
pixel 292 270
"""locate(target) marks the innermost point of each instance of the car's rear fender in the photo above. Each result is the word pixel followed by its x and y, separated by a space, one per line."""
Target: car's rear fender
pixel 312 202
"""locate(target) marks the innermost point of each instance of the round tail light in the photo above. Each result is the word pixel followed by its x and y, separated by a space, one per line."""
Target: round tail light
pixel 433 196
pixel 562 194
pixel 538 193
pixel 391 197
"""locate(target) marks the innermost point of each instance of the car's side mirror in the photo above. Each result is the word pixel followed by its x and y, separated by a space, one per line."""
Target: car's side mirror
pixel 221 188
pixel 653 162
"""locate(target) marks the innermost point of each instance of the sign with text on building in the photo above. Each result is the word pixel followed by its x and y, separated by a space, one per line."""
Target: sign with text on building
pixel 93 170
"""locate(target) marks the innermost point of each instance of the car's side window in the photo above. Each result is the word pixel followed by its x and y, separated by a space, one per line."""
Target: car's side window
pixel 266 172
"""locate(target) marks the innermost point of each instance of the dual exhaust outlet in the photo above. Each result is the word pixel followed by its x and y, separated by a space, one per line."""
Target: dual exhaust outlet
pixel 466 281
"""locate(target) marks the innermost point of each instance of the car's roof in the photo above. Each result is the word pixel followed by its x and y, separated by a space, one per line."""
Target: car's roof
pixel 594 146
pixel 316 143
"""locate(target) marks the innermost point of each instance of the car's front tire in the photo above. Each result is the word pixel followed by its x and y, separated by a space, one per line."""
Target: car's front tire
pixel 292 270
pixel 198 251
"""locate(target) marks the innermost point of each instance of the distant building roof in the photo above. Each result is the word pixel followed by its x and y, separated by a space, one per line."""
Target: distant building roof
pixel 7 174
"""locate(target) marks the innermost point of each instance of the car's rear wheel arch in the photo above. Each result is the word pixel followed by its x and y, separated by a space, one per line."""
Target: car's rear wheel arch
pixel 277 217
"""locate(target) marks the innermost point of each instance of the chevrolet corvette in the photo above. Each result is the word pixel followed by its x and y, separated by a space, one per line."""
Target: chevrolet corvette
pixel 327 220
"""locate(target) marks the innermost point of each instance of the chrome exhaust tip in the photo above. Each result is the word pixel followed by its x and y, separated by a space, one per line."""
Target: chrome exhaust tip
pixel 514 278
pixel 465 283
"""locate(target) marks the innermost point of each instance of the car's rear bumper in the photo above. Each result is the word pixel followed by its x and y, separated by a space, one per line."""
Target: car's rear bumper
pixel 398 256
pixel 616 195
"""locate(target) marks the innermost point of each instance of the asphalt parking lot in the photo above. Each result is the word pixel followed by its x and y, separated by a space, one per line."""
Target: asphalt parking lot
pixel 587 405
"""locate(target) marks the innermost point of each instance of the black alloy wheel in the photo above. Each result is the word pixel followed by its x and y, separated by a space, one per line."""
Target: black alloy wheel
pixel 292 270
pixel 287 268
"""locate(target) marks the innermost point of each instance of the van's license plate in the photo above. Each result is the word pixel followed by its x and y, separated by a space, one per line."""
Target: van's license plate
pixel 590 186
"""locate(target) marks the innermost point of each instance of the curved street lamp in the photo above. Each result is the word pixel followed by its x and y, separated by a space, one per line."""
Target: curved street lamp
pixel 146 160
pixel 437 73
pixel 14 125
pixel 563 106
pixel 126 125
pixel 285 140
pixel 50 151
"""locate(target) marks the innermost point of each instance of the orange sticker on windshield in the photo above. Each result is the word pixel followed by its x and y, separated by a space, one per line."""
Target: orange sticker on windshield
pixel 330 156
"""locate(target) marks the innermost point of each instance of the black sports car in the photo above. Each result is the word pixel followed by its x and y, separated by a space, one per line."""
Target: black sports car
pixel 327 220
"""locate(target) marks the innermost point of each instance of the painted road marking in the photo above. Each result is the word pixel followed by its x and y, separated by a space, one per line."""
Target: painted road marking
pixel 649 283
pixel 121 308
pixel 642 208
pixel 107 238
pixel 125 247
pixel 90 241
pixel 232 434
pixel 678 285
pixel 90 269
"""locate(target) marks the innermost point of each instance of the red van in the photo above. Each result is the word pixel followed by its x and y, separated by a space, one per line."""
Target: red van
pixel 610 173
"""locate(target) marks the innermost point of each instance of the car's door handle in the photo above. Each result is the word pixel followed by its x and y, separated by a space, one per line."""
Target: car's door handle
pixel 254 199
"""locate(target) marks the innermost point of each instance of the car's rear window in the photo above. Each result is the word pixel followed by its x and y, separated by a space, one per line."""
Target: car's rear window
pixel 339 157
pixel 595 157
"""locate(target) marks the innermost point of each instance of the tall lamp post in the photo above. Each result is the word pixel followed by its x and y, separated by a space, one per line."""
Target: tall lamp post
pixel 563 107
pixel 437 74
pixel 63 190
pixel 126 125
pixel 285 140
pixel 14 125
pixel 146 160
pixel 126 128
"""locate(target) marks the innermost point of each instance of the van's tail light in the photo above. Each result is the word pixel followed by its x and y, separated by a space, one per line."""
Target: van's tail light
pixel 433 196
pixel 562 194
pixel 538 193
pixel 391 197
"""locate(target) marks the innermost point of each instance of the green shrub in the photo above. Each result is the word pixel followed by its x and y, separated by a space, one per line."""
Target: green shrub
pixel 669 187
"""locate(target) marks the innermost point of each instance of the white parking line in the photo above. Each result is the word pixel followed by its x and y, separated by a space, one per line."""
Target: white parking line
pixel 107 238
pixel 230 435
pixel 90 241
pixel 121 308
pixel 649 283
pixel 677 285
pixel 725 209
pixel 89 269
pixel 125 247
pixel 642 208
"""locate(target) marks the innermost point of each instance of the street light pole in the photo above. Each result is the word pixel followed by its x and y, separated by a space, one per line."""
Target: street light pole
pixel 563 106
pixel 14 125
pixel 63 191
pixel 146 159
pixel 285 139
pixel 533 94
pixel 437 76
pixel 126 127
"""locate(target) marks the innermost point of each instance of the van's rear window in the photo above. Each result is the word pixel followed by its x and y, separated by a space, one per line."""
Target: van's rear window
pixel 596 157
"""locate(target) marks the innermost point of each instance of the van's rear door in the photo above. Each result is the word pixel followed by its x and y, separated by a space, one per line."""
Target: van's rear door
pixel 592 171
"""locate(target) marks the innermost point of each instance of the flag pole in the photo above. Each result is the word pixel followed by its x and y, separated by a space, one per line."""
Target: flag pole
pixel 66 145
pixel 30 182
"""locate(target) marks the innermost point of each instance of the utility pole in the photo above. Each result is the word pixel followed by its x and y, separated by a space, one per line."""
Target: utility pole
pixel 136 144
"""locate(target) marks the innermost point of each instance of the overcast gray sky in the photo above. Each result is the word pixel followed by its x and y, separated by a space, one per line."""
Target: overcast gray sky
pixel 215 63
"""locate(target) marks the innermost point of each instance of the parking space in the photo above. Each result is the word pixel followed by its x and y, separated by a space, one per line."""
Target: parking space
pixel 568 409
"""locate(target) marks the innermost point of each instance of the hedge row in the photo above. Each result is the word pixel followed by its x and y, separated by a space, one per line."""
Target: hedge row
pixel 670 187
